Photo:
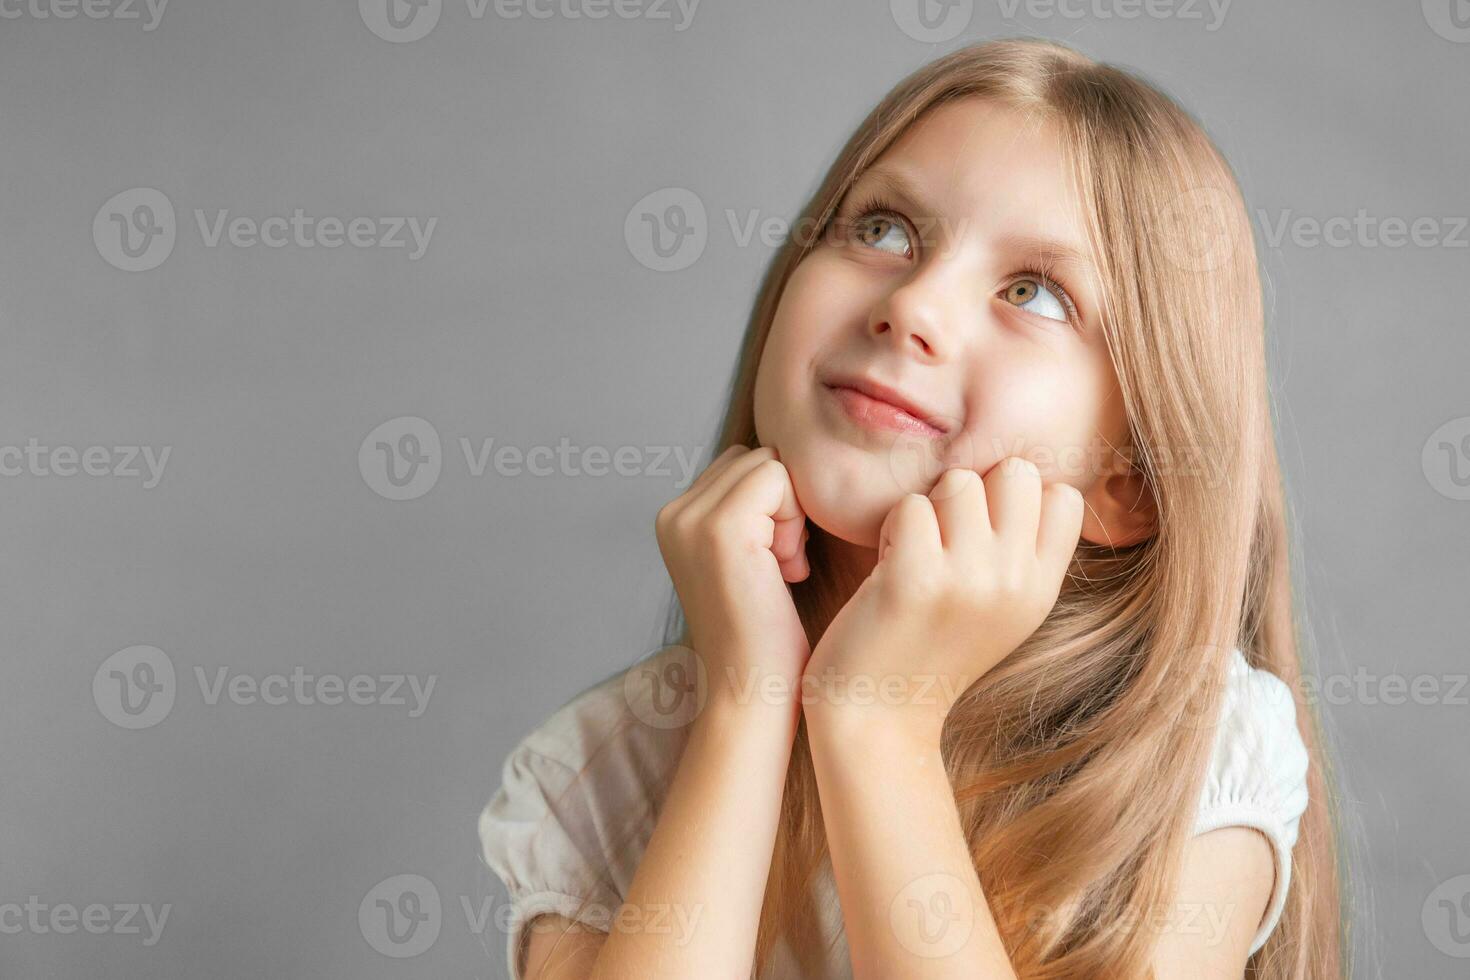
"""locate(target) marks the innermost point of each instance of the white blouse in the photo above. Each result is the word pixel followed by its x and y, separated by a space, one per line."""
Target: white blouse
pixel 557 839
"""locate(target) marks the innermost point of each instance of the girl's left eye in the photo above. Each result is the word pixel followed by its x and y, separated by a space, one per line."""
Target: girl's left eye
pixel 1034 290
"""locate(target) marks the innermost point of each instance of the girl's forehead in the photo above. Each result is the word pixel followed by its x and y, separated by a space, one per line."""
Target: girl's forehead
pixel 979 168
pixel 970 151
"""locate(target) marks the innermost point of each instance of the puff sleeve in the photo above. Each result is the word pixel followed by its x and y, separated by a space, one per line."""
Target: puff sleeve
pixel 578 800
pixel 1258 772
pixel 538 833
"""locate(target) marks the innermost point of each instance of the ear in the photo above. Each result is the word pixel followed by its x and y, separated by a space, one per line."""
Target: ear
pixel 1119 510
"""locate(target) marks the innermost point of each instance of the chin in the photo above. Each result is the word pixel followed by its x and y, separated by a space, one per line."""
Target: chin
pixel 858 527
pixel 847 499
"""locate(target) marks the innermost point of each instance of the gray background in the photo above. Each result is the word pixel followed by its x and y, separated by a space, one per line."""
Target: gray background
pixel 529 320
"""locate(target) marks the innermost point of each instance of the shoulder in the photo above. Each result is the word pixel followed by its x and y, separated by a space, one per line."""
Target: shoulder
pixel 622 728
pixel 1257 775
pixel 579 795
pixel 1215 921
pixel 1259 761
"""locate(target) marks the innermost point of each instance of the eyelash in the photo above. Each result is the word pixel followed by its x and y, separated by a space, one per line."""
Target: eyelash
pixel 874 205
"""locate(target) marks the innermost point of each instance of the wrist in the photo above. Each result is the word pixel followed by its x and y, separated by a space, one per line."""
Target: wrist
pixel 727 707
pixel 862 706
pixel 874 731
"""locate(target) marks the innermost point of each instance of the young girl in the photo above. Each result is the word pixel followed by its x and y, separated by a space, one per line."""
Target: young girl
pixel 989 665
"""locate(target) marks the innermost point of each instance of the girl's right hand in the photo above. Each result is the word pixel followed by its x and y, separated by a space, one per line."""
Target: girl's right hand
pixel 731 542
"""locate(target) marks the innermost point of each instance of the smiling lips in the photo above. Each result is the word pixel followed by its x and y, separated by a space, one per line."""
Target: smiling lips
pixel 877 406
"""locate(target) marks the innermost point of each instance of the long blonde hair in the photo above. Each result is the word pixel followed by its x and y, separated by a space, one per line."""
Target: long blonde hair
pixel 1054 755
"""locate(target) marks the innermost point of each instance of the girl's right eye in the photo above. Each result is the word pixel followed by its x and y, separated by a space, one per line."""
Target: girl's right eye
pixel 883 231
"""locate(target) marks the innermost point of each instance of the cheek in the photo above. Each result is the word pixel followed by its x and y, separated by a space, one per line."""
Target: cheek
pixel 774 379
pixel 784 360
pixel 1048 413
pixel 816 306
pixel 825 296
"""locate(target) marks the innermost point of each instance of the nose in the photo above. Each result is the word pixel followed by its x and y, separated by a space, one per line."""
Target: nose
pixel 917 316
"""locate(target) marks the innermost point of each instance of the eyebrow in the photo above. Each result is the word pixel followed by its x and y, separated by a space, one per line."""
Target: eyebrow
pixel 1050 253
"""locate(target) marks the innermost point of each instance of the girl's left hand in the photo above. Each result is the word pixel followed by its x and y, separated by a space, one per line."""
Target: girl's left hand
pixel 964 576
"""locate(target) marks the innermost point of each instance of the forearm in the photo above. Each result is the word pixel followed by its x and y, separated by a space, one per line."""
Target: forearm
pixel 912 903
pixel 707 861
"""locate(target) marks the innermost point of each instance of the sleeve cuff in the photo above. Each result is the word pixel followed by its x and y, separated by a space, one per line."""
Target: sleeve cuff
pixel 527 906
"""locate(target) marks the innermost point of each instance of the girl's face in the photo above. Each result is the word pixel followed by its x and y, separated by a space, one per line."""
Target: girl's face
pixel 928 282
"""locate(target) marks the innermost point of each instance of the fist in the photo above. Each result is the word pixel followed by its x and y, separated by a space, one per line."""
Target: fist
pixel 964 575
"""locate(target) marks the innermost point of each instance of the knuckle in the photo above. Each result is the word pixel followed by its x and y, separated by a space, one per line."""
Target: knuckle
pixel 663 521
pixel 677 531
pixel 912 501
pixel 1016 467
pixel 1013 582
pixel 769 467
pixel 956 480
pixel 723 530
pixel 716 527
pixel 1003 582
pixel 936 586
